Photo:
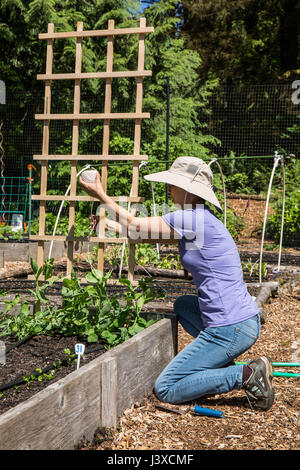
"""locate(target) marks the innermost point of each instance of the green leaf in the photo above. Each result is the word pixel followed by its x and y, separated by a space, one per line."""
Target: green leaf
pixel 24 309
pixel 90 277
pixel 106 307
pixel 93 338
pixel 110 337
pixel 140 303
pixel 125 282
pixel 133 330
pixel 48 267
pixel 142 322
pixel 68 283
pixel 39 272
pixel 34 266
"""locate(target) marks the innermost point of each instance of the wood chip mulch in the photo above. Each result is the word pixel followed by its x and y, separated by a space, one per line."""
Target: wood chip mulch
pixel 145 427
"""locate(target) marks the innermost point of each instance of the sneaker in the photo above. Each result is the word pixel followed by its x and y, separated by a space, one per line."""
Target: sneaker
pixel 258 387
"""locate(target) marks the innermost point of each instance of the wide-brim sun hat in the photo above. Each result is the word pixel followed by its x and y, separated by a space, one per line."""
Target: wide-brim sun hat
pixel 191 174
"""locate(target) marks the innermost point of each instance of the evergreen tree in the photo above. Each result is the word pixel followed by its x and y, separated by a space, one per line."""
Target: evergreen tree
pixel 167 56
pixel 243 41
pixel 22 54
pixel 22 57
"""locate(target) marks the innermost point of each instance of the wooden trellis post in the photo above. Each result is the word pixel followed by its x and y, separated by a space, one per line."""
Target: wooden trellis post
pixel 76 117
pixel 106 135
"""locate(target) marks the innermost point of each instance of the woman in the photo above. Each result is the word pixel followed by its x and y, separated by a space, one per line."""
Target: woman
pixel 223 318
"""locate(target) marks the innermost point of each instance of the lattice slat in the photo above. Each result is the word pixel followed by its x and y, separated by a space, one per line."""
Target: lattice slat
pixel 96 33
pixel 81 76
pixel 91 157
pixel 79 116
pixel 41 197
pixel 98 239
pixel 75 143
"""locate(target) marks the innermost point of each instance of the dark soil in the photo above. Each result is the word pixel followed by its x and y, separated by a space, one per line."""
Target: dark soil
pixel 39 352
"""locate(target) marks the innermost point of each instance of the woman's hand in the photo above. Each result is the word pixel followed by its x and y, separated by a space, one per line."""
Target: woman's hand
pixel 94 189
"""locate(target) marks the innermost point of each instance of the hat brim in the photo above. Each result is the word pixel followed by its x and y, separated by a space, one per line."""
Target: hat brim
pixel 194 187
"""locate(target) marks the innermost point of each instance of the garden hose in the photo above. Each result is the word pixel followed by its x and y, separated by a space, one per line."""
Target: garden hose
pixel 128 209
pixel 282 214
pixel 280 364
pixel 18 343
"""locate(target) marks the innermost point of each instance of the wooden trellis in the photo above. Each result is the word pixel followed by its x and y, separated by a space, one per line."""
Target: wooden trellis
pixel 76 117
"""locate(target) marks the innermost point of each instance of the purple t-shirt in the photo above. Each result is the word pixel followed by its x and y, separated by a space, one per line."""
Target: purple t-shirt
pixel 209 253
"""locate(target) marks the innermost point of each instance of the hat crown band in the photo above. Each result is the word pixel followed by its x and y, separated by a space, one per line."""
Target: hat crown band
pixel 193 172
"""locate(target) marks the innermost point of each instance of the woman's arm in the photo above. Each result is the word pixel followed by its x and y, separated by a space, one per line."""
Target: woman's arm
pixel 109 224
pixel 136 227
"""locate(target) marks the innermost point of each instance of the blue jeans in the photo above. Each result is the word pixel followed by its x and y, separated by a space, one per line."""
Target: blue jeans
pixel 198 369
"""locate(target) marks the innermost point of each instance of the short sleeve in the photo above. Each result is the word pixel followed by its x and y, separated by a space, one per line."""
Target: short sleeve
pixel 183 222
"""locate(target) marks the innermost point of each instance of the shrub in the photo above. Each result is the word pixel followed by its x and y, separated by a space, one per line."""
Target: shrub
pixel 291 228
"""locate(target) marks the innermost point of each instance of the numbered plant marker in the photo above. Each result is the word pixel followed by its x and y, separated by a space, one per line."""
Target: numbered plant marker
pixel 79 350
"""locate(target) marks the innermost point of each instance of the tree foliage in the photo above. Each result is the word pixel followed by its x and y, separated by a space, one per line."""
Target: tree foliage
pixel 22 54
pixel 243 41
pixel 23 57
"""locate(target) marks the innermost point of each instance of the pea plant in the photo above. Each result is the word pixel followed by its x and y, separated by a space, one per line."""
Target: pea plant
pixel 87 311
pixel 252 268
pixel 7 233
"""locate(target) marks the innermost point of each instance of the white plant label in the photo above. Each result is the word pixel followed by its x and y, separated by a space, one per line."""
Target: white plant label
pixel 79 350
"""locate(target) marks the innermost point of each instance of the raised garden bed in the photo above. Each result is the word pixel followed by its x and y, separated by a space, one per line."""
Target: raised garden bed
pixel 32 364
pixel 77 402
pixel 53 321
pixel 91 397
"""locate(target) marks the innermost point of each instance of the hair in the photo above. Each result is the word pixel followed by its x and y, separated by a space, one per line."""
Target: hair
pixel 196 200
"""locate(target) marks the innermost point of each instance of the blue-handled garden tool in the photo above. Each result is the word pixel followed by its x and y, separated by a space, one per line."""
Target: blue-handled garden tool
pixel 197 410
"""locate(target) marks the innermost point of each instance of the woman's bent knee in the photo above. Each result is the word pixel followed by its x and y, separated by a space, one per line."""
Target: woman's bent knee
pixel 161 390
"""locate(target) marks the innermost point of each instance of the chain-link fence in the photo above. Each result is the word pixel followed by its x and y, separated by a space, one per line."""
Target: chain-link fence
pixel 252 121
pixel 255 120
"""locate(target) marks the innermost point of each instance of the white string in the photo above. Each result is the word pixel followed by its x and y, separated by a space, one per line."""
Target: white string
pixel 60 209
